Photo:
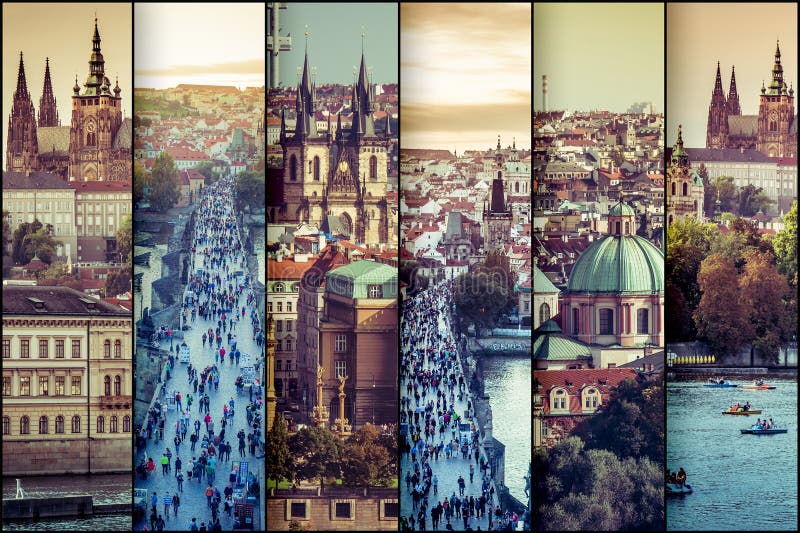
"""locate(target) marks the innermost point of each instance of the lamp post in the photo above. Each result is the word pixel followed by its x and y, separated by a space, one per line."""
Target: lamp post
pixel 373 399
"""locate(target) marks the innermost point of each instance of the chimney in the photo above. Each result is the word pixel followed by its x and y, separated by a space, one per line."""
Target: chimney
pixel 544 93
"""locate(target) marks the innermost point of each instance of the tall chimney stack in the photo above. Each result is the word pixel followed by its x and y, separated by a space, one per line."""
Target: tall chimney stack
pixel 544 92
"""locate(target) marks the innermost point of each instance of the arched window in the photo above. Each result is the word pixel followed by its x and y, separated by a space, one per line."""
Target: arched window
pixel 316 168
pixel 6 425
pixel 627 228
pixel 575 321
pixel 42 425
pixel 643 321
pixel 606 322
pixel 118 349
pixel 591 399
pixel 617 228
pixel 516 186
pixel 126 424
pixel 91 139
pixel 101 424
pixel 59 424
pixel 107 349
pixel 113 426
pixel 673 188
pixel 24 425
pixel 278 287
pixel 544 313
pixel 373 168
pixel 558 400
pixel 685 189
pixel 773 126
pixel 117 386
pixel 107 386
pixel 76 424
pixel 293 168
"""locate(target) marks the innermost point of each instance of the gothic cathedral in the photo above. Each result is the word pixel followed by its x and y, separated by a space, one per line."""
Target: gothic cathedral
pixel 337 180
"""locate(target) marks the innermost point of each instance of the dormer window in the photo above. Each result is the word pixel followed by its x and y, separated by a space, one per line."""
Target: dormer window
pixel 558 400
pixel 590 399
pixel 38 305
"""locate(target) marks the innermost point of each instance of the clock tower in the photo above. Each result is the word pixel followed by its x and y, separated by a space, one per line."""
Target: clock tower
pixel 776 115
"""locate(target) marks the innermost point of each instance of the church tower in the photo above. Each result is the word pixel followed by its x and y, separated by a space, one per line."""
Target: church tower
pixel 497 217
pixel 96 119
pixel 22 146
pixel 776 115
pixel 685 190
pixel 733 96
pixel 48 113
pixel 717 128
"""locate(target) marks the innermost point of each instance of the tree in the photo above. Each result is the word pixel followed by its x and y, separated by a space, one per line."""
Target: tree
pixel 409 274
pixel 479 299
pixel 125 238
pixel 250 191
pixel 56 270
pixel 720 318
pixel 498 265
pixel 118 282
pixel 316 453
pixel 6 232
pixel 277 449
pixel 39 243
pixel 206 168
pixel 753 199
pixel 18 254
pixel 785 245
pixel 721 187
pixel 140 181
pixel 370 461
pixel 165 182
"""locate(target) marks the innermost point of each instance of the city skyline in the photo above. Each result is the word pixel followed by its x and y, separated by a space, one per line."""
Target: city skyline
pixel 465 75
pixel 611 58
pixel 694 47
pixel 197 51
pixel 68 50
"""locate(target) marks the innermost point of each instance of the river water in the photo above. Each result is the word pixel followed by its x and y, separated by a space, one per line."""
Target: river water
pixel 507 382
pixel 740 482
pixel 112 488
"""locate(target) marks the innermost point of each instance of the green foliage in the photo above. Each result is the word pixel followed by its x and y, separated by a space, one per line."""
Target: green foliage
pixel 409 274
pixel 480 298
pixel 250 190
pixel 32 239
pixel 785 245
pixel 6 232
pixel 165 182
pixel 140 181
pixel 277 451
pixel 118 282
pixel 369 459
pixel 56 270
pixel 316 454
pixel 206 168
pixel 125 238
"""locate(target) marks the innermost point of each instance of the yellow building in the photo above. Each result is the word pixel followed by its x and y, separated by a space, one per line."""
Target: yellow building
pixel 67 382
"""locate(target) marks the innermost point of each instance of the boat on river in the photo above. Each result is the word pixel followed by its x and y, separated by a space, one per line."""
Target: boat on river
pixel 721 385
pixel 771 431
pixel 673 489
pixel 758 387
pixel 742 412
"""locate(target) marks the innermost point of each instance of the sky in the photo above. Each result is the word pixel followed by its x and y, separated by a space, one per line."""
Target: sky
pixel 740 35
pixel 334 40
pixel 465 75
pixel 64 34
pixel 199 43
pixel 598 56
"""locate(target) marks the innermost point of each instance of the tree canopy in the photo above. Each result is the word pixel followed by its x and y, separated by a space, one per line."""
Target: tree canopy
pixel 140 181
pixel 250 190
pixel 315 453
pixel 480 298
pixel 277 451
pixel 369 458
pixel 165 183
pixel 785 245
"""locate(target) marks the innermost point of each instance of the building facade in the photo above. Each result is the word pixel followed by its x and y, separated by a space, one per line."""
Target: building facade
pixel 67 383
pixel 685 189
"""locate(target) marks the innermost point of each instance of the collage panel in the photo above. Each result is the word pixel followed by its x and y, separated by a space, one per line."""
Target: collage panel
pixel 598 231
pixel 199 266
pixel 465 266
pixel 731 276
pixel 332 290
pixel 67 313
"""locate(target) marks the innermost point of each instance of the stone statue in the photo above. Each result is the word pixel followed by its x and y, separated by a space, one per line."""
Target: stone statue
pixel 342 379
pixel 319 372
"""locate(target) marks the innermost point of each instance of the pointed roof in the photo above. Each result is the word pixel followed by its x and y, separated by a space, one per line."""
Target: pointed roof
pixel 48 85
pixel 733 95
pixel 718 84
pixel 776 85
pixel 679 156
pixel 22 84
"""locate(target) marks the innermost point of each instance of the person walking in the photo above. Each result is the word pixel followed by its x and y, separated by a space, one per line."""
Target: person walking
pixel 167 503
pixel 176 502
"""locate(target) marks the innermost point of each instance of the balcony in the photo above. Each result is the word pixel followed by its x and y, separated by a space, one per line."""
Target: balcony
pixel 115 402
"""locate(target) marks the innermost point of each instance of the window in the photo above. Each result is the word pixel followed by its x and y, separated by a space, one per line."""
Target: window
pixel 685 189
pixel 118 349
pixel 6 425
pixel 342 509
pixel 298 509
pixel 674 189
pixel 24 385
pixel 279 326
pixel 293 168
pixel 25 348
pixel 279 346
pixel 44 382
pixel 126 424
pixel 316 168
pixel 76 424
pixel 375 291
pixel 59 424
pixel 107 349
pixel 107 385
pixel 544 313
pixel 6 348
pixel 391 509
pixel 278 365
pixel 59 348
pixel 117 386
pixel 101 424
pixel 76 386
pixel 575 321
pixel 288 307
pixel 340 344
pixel 60 385
pixel 341 368
pixel 6 385
pixel 373 168
pixel 558 400
pixel 76 348
pixel 43 349
pixel 289 325
pixel 42 425
pixel 280 307
pixel 269 307
pixel 113 424
pixel 642 321
pixel 606 321
pixel 24 425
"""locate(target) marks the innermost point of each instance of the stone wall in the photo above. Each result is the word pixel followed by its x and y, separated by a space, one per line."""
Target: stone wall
pixel 67 456
pixel 368 506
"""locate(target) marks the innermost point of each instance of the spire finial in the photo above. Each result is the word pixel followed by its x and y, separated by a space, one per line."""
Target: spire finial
pixel 363 37
pixel 307 33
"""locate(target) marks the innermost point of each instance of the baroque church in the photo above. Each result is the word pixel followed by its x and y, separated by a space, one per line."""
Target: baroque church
pixel 685 189
pixel 337 179
pixel 773 132
pixel 97 143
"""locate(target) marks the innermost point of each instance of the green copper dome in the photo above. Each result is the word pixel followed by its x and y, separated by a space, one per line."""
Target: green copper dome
pixel 621 209
pixel 618 265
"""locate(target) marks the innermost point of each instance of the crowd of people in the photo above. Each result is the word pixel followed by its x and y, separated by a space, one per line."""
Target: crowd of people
pixel 194 430
pixel 444 468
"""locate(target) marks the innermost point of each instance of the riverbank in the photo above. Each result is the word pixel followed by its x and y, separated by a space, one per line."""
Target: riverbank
pixel 748 373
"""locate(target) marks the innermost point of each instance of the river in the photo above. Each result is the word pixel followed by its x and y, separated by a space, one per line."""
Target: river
pixel 739 481
pixel 507 382
pixel 112 488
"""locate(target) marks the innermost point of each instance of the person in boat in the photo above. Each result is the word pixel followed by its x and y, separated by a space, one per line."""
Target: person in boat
pixel 681 477
pixel 672 478
pixel 747 406
pixel 758 382
pixel 767 425
pixel 735 407
pixel 771 423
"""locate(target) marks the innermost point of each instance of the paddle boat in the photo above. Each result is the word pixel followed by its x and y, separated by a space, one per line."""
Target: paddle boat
pixel 753 431
pixel 758 385
pixel 740 411
pixel 673 489
pixel 719 383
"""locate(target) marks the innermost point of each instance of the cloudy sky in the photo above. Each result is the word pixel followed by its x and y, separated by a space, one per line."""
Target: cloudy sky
pixel 599 56
pixel 334 40
pixel 63 32
pixel 213 44
pixel 465 72
pixel 740 35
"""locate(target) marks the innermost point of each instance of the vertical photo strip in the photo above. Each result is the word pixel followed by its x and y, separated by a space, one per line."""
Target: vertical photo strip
pixel 200 267
pixel 465 266
pixel 598 305
pixel 332 289
pixel 67 301
pixel 731 278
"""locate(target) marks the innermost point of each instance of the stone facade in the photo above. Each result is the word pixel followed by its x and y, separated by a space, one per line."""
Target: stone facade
pixel 369 509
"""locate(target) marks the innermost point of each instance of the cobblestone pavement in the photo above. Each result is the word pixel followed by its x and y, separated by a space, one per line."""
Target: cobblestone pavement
pixel 446 469
pixel 193 502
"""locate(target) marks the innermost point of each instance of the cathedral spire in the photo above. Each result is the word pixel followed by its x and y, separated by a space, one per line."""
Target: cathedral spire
pixel 776 85
pixel 96 83
pixel 718 84
pixel 21 144
pixel 48 114
pixel 679 156
pixel 22 84
pixel 733 96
